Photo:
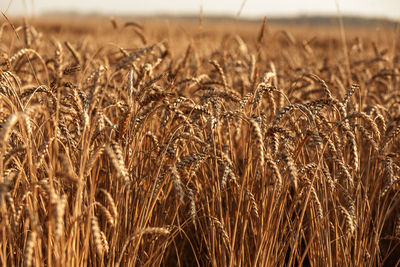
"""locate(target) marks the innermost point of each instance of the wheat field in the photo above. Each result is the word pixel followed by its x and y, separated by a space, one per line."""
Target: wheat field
pixel 170 143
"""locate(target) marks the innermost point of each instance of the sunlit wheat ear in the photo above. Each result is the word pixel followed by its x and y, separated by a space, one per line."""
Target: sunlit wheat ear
pixel 323 84
pixel 193 211
pixel 389 177
pixel 43 151
pixel 60 204
pixel 100 118
pixel 96 236
pixel 281 113
pixel 277 178
pixel 253 203
pixel 224 179
pixel 330 182
pixel 353 150
pixel 123 123
pixel 104 242
pixel 349 93
pixel 330 145
pixel 115 154
pixel 292 170
pixel 274 143
pixel 19 211
pixel 308 171
pixel 344 172
pixel 350 224
pixel 106 213
pixel 21 53
pixel 29 117
pixel 227 94
pixel 199 160
pixel 257 137
pixel 368 136
pixel 158 183
pixel 244 101
pixel 69 70
pixel 10 202
pixel 350 205
pixel 368 121
pixel 58 59
pixel 132 56
pixel 220 71
pixel 29 247
pixel 111 204
pixel 139 233
pixel 263 87
pixel 150 230
pixel 186 161
pixel 132 92
pixel 6 128
pixel 93 78
pixel 9 175
pixel 113 22
pixel 318 205
pixel 315 200
pixel 92 159
pixel 391 133
pixel 381 123
pixel 78 100
pixel 228 171
pixel 177 183
pixel 221 230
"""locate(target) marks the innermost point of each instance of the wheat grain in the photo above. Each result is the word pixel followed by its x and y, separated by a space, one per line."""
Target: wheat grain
pixel 106 213
pixel 111 204
pixel 257 137
pixel 60 204
pixel 29 248
pixel 350 226
pixel 96 236
pixel 115 154
pixel 140 232
pixel 177 183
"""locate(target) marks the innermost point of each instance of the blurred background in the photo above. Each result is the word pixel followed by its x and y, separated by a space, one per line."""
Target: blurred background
pixel 389 9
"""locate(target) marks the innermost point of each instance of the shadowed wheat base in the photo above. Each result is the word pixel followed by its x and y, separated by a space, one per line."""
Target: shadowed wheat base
pixel 145 144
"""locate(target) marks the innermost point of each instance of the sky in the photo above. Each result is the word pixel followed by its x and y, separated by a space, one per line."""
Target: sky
pixel 251 8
